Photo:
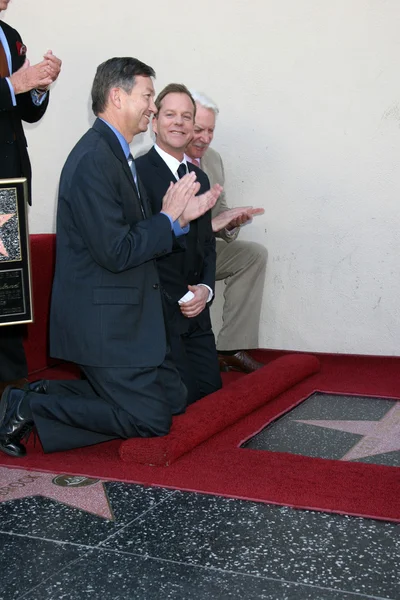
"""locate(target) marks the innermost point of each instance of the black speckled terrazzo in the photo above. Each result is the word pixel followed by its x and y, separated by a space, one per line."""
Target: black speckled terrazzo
pixel 132 577
pixel 165 544
pixel 51 520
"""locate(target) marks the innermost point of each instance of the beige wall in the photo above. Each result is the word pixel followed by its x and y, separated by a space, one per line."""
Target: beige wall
pixel 309 94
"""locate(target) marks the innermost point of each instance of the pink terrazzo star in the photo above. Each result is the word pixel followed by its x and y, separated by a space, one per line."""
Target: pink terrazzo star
pixel 3 220
pixel 79 492
pixel 379 437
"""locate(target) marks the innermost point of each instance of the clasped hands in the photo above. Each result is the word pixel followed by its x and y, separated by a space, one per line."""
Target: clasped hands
pixel 39 76
pixel 181 203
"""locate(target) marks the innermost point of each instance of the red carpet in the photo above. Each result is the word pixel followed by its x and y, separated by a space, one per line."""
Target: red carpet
pixel 217 411
pixel 220 466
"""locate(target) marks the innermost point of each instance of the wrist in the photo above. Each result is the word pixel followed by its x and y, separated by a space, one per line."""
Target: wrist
pixel 182 222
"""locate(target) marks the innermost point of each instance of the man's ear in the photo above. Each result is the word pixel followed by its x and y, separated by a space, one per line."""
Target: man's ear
pixel 154 124
pixel 115 97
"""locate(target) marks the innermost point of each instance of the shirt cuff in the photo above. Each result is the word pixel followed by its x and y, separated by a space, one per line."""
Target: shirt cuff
pixel 231 232
pixel 38 97
pixel 176 228
pixel 14 101
pixel 210 292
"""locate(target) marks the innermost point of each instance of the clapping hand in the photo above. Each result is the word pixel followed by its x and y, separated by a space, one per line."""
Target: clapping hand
pixel 179 194
pixel 235 217
pixel 39 76
pixel 198 205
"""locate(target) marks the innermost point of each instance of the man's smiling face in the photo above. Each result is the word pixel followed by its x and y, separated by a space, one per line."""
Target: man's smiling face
pixel 137 106
pixel 203 132
pixel 174 122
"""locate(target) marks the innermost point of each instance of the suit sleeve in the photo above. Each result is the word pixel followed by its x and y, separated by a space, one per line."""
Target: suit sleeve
pixel 5 96
pixel 222 206
pixel 98 215
pixel 27 110
pixel 210 256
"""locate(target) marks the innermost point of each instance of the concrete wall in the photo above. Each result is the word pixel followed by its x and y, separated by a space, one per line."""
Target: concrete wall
pixel 309 129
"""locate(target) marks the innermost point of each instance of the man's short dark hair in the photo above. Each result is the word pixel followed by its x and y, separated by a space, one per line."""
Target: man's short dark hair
pixel 174 88
pixel 116 72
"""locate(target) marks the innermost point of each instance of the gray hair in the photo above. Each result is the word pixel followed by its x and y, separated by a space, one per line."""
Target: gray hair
pixel 204 101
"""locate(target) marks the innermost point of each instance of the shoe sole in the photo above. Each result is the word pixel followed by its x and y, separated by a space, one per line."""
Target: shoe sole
pixel 3 449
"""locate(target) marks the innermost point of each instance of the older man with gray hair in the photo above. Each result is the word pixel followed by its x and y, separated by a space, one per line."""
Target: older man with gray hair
pixel 240 264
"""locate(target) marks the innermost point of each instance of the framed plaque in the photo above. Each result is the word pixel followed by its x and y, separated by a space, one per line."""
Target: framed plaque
pixel 15 272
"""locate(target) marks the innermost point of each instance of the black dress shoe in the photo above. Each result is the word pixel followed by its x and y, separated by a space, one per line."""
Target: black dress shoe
pixel 18 383
pixel 14 426
pixel 41 386
pixel 12 448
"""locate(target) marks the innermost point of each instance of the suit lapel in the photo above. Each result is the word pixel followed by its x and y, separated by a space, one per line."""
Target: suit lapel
pixel 190 167
pixel 143 197
pixel 163 170
pixel 16 60
pixel 116 148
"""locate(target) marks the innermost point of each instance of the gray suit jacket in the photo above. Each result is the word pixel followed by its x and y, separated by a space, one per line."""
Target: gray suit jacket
pixel 106 303
pixel 212 165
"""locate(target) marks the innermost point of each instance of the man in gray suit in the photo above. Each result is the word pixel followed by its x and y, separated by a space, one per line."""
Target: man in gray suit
pixel 107 313
pixel 240 264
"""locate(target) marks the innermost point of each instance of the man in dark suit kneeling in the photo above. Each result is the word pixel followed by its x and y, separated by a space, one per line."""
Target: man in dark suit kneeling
pixel 190 267
pixel 107 313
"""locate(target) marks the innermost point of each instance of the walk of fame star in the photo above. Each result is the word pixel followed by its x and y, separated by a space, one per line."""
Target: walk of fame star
pixel 3 221
pixel 378 437
pixel 79 492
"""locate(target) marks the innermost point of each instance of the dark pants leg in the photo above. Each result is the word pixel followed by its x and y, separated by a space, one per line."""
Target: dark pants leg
pixel 195 356
pixel 111 403
pixel 12 353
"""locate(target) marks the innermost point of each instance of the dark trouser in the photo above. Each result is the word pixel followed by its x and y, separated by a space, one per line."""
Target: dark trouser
pixel 12 354
pixel 195 356
pixel 112 403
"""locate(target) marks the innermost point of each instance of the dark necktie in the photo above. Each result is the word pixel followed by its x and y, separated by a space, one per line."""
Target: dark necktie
pixel 182 170
pixel 4 72
pixel 132 167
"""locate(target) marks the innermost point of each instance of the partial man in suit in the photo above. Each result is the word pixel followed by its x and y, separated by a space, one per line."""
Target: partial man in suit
pixel 24 96
pixel 240 264
pixel 191 265
pixel 106 313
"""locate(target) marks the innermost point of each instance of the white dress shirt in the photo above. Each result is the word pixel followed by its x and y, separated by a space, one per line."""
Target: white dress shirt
pixel 173 165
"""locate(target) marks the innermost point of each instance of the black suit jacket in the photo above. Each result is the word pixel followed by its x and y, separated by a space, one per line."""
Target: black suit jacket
pixel 193 257
pixel 14 159
pixel 106 305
